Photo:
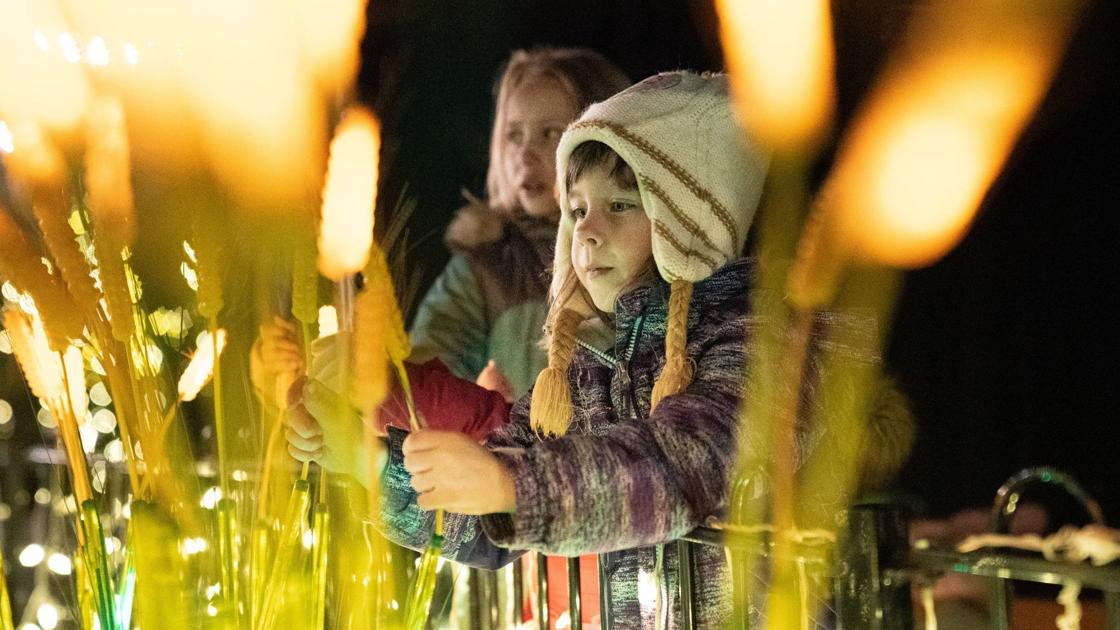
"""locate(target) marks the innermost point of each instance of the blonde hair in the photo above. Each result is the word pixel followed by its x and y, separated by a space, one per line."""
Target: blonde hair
pixel 584 74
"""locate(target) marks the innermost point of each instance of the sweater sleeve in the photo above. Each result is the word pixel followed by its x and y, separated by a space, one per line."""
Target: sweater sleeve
pixel 639 483
pixel 451 322
pixel 444 402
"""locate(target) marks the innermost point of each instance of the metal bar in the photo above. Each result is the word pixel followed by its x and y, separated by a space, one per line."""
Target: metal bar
pixel 574 612
pixel 684 581
pixel 493 603
pixel 604 592
pixel 518 590
pixel 741 585
pixel 1010 567
pixel 542 591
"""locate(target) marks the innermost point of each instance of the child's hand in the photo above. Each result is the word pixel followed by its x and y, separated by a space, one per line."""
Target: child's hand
pixel 494 380
pixel 322 428
pixel 450 471
pixel 276 358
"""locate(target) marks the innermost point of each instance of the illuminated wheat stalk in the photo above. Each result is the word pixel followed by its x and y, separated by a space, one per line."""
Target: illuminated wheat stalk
pixel 21 263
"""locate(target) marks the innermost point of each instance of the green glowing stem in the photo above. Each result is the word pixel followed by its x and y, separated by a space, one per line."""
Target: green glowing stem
pixel 423 587
pixel 97 565
pixel 285 554
pixel 258 568
pixel 228 554
pixel 321 528
pixel 219 422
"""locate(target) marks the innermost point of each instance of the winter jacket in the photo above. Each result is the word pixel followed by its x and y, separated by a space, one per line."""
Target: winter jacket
pixel 489 303
pixel 622 481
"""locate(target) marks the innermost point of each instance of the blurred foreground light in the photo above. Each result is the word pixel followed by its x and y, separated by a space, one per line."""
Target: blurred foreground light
pixel 47 616
pixel 32 555
pixel 328 321
pixel 937 129
pixel 780 57
pixel 59 564
pixel 201 365
pixel 5 412
pixel 99 395
pixel 6 138
pixel 349 196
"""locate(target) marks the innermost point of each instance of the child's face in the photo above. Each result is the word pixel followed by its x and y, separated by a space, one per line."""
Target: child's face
pixel 611 243
pixel 536 114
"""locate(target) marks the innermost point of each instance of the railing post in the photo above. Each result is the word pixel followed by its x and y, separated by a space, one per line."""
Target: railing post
pixel 575 615
pixel 604 591
pixel 542 591
pixel 866 597
pixel 684 581
pixel 1112 609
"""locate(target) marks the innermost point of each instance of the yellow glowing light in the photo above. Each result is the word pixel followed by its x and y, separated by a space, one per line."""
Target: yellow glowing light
pixel 36 86
pixel 918 164
pixel 201 365
pixel 780 56
pixel 937 127
pixel 346 230
pixel 108 169
pixel 329 32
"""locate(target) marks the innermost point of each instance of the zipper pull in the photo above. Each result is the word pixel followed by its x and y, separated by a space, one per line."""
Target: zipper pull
pixel 624 376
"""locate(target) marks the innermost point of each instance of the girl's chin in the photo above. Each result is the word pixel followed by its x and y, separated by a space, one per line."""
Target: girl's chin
pixel 539 206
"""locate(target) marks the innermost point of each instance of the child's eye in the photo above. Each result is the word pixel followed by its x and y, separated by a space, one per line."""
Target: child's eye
pixel 622 206
pixel 578 213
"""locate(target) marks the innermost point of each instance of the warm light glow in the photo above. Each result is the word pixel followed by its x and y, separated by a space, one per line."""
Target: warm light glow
pixel 346 230
pixel 780 56
pixel 937 128
pixel 329 33
pixel 328 321
pixel 201 366
pixel 37 86
pixel 6 140
pixel 108 180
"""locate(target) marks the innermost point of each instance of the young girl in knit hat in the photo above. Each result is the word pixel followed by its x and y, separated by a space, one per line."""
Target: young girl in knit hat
pixel 626 441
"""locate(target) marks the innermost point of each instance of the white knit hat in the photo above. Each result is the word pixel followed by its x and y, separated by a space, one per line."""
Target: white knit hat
pixel 699 179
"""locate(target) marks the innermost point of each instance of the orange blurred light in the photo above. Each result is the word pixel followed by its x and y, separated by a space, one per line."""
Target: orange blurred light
pixel 40 81
pixel 935 132
pixel 780 56
pixel 346 229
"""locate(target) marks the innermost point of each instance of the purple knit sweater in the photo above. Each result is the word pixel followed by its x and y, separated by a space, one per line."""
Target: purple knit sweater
pixel 622 480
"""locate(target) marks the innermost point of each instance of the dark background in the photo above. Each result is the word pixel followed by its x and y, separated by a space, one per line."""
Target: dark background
pixel 1006 346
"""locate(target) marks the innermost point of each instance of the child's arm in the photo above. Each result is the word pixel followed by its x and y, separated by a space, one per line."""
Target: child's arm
pixel 642 482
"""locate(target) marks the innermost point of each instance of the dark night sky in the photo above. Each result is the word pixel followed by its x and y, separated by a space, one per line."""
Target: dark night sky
pixel 1006 346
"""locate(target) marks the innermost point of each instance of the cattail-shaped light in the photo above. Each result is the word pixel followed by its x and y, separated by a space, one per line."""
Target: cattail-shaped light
pixel 346 229
pixel 933 135
pixel 780 56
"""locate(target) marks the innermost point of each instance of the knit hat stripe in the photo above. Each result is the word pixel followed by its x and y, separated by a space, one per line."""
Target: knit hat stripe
pixel 678 172
pixel 685 220
pixel 667 234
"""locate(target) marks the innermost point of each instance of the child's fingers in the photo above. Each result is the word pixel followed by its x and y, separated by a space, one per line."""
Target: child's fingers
pixel 417 442
pixel 301 422
pixel 284 324
pixel 313 443
pixel 423 483
pixel 303 456
pixel 417 463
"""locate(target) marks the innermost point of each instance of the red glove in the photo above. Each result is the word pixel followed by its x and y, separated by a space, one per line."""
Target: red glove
pixel 445 402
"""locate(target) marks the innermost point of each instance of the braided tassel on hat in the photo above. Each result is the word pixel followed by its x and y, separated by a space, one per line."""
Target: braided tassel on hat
pixel 550 410
pixel 677 373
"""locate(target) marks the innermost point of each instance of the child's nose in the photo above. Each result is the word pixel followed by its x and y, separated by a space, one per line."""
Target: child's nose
pixel 589 229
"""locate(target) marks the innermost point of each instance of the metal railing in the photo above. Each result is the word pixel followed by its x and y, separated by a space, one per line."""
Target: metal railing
pixel 873 567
